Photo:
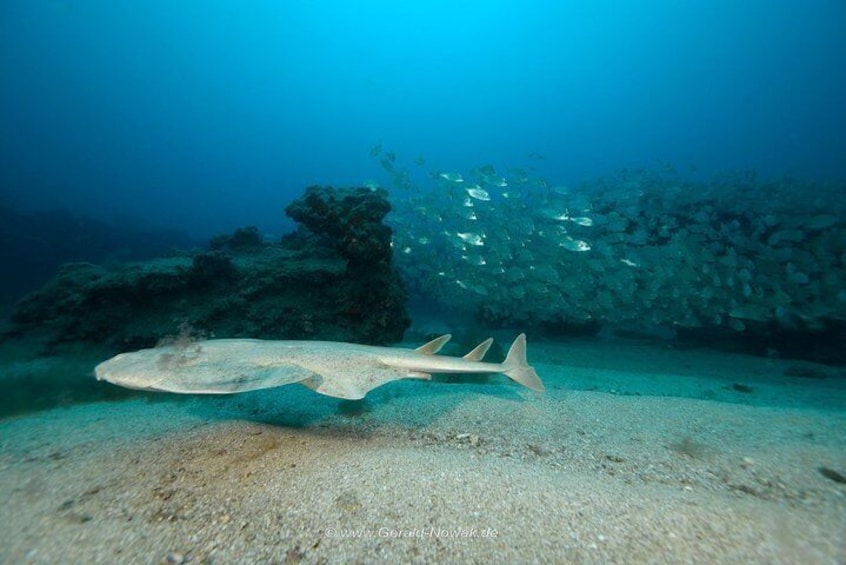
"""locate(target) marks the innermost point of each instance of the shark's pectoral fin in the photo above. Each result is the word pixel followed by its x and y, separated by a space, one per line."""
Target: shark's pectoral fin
pixel 435 345
pixel 338 388
pixel 354 384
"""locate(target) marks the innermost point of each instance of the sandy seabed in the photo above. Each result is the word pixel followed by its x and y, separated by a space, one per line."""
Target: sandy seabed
pixel 636 454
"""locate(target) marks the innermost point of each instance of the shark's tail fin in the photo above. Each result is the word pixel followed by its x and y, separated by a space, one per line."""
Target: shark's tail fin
pixel 517 367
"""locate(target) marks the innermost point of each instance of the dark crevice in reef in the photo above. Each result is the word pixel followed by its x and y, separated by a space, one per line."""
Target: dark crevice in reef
pixel 825 345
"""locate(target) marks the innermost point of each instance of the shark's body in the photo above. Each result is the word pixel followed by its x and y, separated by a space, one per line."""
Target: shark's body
pixel 342 370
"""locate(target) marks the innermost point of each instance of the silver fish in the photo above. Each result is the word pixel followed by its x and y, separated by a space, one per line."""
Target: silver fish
pixel 478 193
pixel 571 244
pixel 452 177
pixel 471 238
pixel 582 221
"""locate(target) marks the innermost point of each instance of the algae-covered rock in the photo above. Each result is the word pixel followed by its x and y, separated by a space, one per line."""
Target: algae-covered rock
pixel 333 280
pixel 351 218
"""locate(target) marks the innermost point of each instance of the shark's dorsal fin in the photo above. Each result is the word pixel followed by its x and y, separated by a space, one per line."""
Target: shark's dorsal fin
pixel 434 346
pixel 479 351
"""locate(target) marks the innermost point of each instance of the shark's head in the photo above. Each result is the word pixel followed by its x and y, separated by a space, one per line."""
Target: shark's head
pixel 124 371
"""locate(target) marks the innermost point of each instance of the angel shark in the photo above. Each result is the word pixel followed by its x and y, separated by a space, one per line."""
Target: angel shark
pixel 342 370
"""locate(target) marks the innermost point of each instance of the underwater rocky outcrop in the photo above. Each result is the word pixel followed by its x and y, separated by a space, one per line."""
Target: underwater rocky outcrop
pixel 35 244
pixel 332 279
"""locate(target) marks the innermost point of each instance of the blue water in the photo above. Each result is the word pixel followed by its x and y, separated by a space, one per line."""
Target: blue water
pixel 208 115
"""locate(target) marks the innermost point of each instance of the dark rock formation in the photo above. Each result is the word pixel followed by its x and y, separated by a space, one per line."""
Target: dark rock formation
pixel 331 280
pixel 352 219
pixel 242 239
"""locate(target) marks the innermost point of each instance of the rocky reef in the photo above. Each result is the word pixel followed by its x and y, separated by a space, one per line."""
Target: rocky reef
pixel 332 279
pixel 37 243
